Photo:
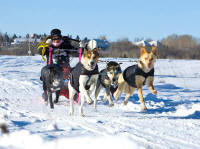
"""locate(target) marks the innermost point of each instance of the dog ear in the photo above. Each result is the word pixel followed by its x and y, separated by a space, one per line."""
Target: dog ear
pixel 107 68
pixel 95 50
pixel 154 50
pixel 119 69
pixel 85 50
pixel 142 50
pixel 86 47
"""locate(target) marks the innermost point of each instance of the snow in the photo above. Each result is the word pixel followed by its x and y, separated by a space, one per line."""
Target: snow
pixel 155 43
pixel 142 43
pixel 146 43
pixel 171 121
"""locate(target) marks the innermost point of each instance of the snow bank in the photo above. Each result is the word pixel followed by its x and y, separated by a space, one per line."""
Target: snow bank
pixel 185 111
pixel 25 140
pixel 171 121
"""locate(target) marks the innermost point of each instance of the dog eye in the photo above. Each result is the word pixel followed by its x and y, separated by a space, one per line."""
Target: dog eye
pixel 89 56
pixel 110 72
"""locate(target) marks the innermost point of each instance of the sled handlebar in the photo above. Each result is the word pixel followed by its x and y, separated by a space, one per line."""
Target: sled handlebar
pixel 65 37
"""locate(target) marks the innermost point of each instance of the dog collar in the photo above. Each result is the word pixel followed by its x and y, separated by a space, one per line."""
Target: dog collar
pixel 55 89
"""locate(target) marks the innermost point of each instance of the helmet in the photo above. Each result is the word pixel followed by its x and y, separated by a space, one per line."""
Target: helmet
pixel 56 32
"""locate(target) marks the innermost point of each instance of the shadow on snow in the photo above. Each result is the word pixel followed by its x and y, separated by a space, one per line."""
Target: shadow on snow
pixel 168 104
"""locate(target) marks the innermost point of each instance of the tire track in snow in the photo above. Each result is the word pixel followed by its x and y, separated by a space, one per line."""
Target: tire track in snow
pixel 162 139
pixel 170 126
pixel 88 124
pixel 104 130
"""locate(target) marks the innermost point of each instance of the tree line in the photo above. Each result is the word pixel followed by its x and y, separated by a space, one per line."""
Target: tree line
pixel 28 43
pixel 173 46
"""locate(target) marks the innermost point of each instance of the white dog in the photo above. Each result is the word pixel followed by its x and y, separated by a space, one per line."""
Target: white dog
pixel 83 79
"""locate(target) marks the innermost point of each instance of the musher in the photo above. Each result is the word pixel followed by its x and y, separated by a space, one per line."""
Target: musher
pixel 59 47
pixel 57 51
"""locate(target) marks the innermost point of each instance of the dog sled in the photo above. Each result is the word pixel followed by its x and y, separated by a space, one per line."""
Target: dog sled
pixel 66 68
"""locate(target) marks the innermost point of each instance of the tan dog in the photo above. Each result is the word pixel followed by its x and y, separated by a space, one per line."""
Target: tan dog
pixel 136 76
pixel 83 78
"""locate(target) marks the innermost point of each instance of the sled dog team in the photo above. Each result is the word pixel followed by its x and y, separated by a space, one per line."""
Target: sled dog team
pixel 85 78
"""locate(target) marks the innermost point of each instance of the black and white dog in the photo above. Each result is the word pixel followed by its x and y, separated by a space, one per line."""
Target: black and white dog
pixel 108 79
pixel 52 78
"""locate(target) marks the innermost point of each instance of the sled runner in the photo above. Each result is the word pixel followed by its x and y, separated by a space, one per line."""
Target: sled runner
pixel 64 90
pixel 53 57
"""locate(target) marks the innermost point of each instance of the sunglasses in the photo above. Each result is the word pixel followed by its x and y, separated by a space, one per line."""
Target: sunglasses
pixel 56 39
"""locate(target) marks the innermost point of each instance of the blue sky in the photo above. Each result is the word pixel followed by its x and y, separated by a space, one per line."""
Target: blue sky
pixel 116 19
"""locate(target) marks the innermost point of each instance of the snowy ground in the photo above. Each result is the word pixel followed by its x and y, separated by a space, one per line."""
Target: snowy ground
pixel 171 122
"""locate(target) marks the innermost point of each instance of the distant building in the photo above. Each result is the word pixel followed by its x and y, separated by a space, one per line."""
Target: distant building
pixel 155 43
pixel 98 43
pixel 142 43
pixel 18 41
pixel 146 44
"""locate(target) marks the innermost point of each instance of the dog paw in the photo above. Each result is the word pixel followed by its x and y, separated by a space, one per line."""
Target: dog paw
pixel 46 103
pixel 116 98
pixel 144 108
pixel 90 102
pixel 55 101
pixel 71 113
pixel 104 100
pixel 111 104
pixel 82 115
pixel 125 103
pixel 95 109
pixel 154 92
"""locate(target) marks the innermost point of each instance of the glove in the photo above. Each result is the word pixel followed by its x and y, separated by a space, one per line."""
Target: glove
pixel 82 44
pixel 49 41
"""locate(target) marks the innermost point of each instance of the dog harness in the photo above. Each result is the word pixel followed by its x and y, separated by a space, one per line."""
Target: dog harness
pixel 46 76
pixel 103 76
pixel 80 70
pixel 57 56
pixel 130 73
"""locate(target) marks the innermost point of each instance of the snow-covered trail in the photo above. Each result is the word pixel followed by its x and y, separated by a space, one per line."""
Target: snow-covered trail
pixel 172 119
